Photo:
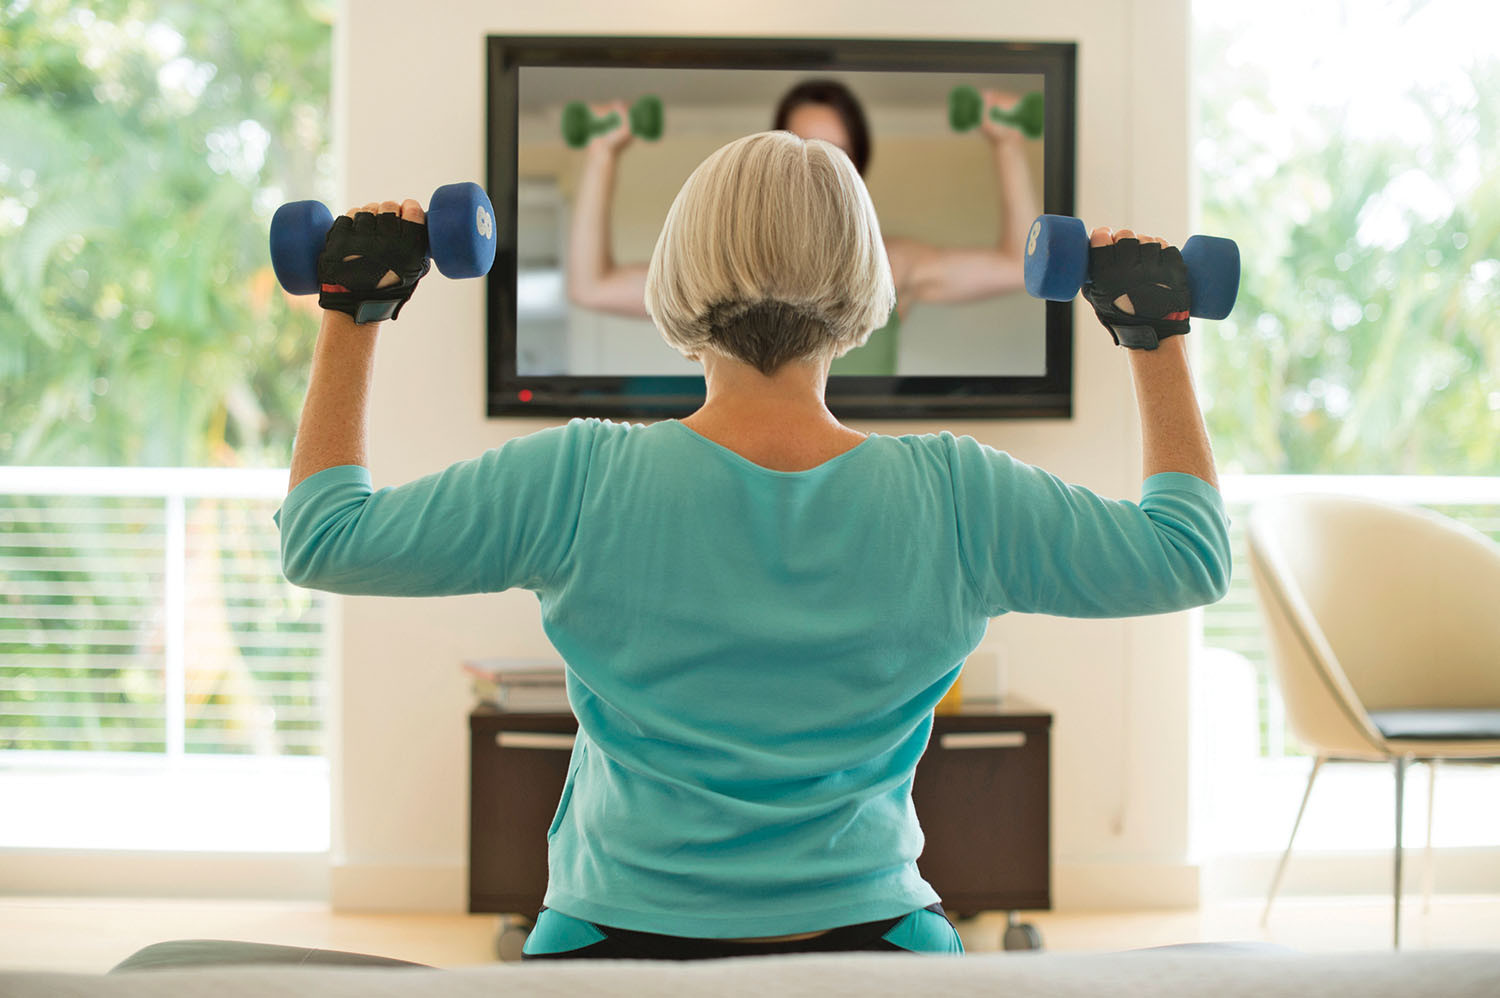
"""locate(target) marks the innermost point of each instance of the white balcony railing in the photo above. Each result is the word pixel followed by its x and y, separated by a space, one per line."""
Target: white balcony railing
pixel 143 614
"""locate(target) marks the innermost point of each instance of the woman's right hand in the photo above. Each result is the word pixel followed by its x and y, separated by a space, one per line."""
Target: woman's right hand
pixel 617 138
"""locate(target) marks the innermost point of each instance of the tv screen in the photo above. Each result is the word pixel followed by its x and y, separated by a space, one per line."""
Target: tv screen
pixel 590 140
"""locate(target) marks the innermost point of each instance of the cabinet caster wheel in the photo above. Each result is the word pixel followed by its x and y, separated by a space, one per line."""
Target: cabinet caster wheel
pixel 1021 935
pixel 510 939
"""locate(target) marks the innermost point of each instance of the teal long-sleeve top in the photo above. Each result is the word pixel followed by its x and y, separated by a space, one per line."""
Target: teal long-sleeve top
pixel 753 656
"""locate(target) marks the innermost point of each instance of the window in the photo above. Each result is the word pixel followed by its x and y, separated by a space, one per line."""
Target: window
pixel 150 652
pixel 1356 160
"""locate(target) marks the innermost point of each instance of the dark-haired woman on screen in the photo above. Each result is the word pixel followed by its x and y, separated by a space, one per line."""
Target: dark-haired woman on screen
pixel 827 110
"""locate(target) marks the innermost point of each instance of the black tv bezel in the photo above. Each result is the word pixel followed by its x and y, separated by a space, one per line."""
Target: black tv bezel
pixel 1048 396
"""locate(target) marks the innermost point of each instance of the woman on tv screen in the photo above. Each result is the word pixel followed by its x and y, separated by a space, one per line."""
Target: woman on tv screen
pixel 823 109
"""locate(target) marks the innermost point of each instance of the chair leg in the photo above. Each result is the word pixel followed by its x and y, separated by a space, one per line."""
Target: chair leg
pixel 1427 871
pixel 1281 867
pixel 1400 788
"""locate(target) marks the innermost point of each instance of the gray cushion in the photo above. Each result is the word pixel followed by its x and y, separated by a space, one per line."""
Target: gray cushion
pixel 1454 725
pixel 222 952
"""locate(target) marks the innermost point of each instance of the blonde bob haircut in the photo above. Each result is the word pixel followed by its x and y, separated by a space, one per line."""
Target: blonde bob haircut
pixel 770 253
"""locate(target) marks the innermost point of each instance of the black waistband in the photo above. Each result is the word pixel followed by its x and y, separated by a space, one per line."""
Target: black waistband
pixel 653 946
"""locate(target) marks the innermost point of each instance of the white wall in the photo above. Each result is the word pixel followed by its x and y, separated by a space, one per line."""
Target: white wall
pixel 409 90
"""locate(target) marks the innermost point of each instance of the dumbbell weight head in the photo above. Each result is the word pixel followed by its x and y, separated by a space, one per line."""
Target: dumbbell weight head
pixel 461 230
pixel 964 108
pixel 298 231
pixel 1057 257
pixel 646 118
pixel 1213 265
pixel 576 119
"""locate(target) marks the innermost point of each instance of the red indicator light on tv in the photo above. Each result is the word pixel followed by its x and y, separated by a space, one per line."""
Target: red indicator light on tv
pixel 524 394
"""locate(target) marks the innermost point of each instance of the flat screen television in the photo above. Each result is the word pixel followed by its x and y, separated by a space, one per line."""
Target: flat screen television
pixel 567 334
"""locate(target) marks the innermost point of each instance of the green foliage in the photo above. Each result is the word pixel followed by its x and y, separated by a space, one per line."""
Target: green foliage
pixel 1365 338
pixel 143 147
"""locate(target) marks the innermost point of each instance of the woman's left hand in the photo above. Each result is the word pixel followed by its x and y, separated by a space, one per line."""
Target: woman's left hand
pixel 992 129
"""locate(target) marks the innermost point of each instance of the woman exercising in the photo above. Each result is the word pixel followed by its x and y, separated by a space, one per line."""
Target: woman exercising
pixel 758 606
pixel 821 109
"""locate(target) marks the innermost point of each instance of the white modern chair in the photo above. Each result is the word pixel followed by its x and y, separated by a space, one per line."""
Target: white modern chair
pixel 1384 630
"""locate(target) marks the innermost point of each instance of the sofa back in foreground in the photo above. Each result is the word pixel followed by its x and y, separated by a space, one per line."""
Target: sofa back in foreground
pixel 1176 972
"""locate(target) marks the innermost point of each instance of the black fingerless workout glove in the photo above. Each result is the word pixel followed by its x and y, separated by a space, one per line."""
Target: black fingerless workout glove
pixel 359 252
pixel 1154 279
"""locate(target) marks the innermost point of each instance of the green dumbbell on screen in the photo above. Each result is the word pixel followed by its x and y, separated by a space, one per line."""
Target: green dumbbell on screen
pixel 579 124
pixel 965 106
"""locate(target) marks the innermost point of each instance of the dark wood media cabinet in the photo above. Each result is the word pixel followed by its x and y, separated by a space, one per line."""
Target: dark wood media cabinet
pixel 982 793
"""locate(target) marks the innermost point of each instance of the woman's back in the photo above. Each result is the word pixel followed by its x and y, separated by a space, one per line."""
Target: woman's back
pixel 754 656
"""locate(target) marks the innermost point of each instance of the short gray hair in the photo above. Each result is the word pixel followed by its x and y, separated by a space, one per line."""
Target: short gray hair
pixel 770 253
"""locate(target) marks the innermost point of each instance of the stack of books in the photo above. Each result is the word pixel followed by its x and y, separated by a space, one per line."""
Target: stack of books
pixel 532 685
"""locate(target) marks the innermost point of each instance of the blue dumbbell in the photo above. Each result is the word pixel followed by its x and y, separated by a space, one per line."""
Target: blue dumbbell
pixel 1057 265
pixel 460 235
